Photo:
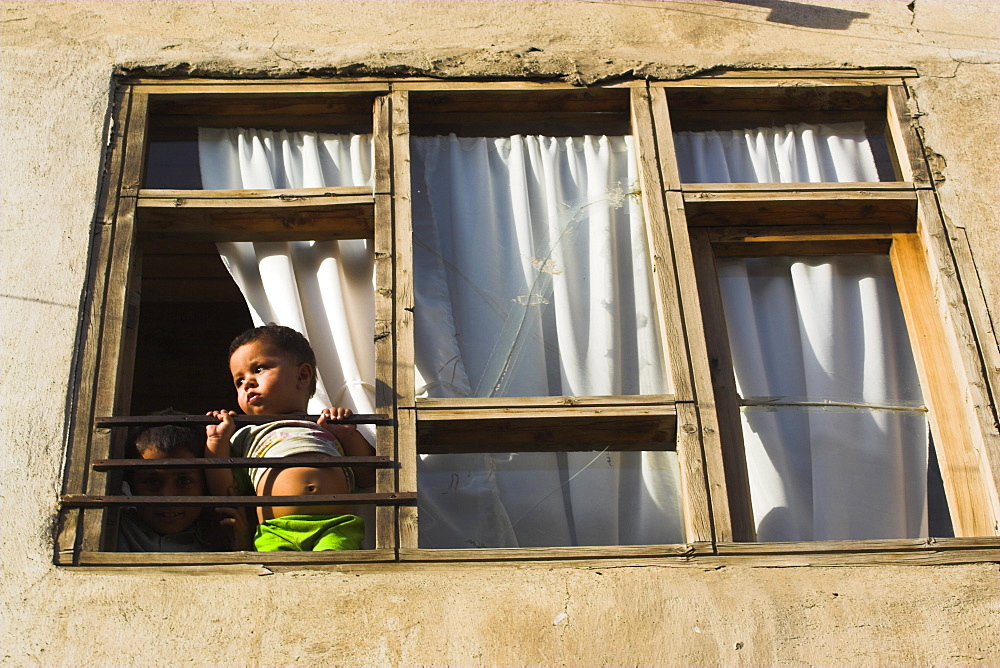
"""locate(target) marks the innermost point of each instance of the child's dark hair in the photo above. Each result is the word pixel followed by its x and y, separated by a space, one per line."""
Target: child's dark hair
pixel 166 438
pixel 285 339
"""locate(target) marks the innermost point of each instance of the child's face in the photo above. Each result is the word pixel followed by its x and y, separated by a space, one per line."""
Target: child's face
pixel 268 380
pixel 168 482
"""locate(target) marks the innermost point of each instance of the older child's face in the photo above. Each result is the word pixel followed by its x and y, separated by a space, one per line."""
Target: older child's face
pixel 168 482
pixel 268 380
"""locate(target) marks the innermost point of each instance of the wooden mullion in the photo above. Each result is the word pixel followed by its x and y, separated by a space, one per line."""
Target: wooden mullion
pixel 902 129
pixel 709 496
pixel 403 298
pixel 116 338
pixel 724 384
pixel 669 312
pixel 963 455
pixel 82 401
pixel 386 442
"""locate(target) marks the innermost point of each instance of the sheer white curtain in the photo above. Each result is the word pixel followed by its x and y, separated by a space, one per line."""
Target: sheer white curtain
pixel 320 288
pixel 814 330
pixel 532 278
pixel 800 153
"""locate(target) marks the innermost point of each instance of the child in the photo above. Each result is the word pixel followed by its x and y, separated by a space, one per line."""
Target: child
pixel 274 370
pixel 181 528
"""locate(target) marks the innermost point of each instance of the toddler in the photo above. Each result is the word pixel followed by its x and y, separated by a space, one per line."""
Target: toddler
pixel 274 370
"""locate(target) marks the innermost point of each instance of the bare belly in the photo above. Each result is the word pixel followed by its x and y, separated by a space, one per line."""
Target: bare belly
pixel 302 481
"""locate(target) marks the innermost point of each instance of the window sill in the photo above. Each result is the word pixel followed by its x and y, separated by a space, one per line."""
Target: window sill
pixel 894 552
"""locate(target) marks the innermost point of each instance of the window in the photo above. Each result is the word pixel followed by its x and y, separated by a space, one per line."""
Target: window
pixel 551 293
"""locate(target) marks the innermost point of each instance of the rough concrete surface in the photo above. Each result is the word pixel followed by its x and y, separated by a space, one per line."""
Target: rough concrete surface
pixel 56 65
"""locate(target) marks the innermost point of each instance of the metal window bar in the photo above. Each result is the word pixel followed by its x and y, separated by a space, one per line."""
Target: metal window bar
pixel 119 501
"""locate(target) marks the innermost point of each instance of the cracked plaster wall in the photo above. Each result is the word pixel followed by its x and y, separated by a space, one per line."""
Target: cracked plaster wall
pixel 57 60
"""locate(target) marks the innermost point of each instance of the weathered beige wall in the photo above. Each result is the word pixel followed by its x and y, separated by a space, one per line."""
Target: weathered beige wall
pixel 57 61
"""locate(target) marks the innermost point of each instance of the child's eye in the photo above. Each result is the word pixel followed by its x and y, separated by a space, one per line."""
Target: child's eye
pixel 258 368
pixel 238 381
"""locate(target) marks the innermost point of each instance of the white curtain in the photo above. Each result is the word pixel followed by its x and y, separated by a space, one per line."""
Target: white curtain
pixel 799 153
pixel 809 330
pixel 320 288
pixel 532 278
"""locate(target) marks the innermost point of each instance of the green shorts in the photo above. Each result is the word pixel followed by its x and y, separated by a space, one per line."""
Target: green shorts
pixel 310 533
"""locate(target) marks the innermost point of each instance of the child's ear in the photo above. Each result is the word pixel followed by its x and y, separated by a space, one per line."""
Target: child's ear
pixel 305 376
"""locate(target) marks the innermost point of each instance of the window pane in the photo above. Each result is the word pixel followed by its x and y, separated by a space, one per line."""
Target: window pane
pixel 531 271
pixel 800 153
pixel 833 418
pixel 533 499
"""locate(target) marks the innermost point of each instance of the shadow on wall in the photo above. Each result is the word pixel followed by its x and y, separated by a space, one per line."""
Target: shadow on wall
pixel 806 16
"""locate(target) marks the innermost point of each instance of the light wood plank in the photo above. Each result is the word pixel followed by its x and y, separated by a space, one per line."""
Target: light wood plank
pixel 87 354
pixel 670 315
pixel 553 553
pixel 976 349
pixel 117 335
pixel 488 413
pixel 972 500
pixel 753 248
pixel 763 77
pixel 903 189
pixel 257 87
pixel 426 404
pixel 712 446
pixel 406 428
pixel 909 152
pixel 666 153
pixel 223 562
pixel 689 311
pixel 695 501
pixel 795 233
pixel 759 194
pixel 861 546
pixel 386 442
pixel 385 362
pixel 149 197
pixel 725 393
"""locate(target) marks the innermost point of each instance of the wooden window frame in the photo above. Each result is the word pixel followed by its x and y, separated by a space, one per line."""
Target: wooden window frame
pixel 954 343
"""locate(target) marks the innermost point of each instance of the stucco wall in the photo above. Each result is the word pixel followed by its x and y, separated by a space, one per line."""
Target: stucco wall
pixel 57 61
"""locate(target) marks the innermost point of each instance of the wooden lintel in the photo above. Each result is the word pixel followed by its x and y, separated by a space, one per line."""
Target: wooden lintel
pixel 257 86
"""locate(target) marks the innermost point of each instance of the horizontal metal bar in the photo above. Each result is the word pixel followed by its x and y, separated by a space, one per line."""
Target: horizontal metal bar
pixel 380 419
pixel 100 501
pixel 314 461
